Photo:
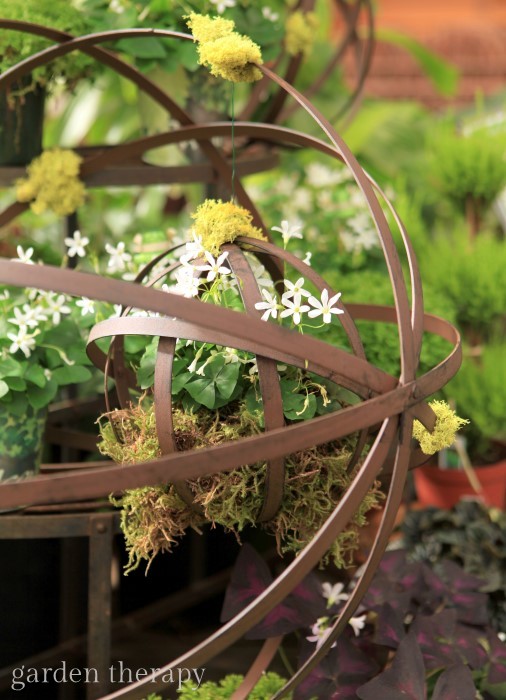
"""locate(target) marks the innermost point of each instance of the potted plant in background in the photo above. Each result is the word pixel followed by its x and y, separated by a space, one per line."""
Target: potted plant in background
pixel 42 349
pixel 470 171
pixel 22 105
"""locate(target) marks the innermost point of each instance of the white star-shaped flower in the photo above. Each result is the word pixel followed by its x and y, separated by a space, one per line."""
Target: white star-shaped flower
pixel 187 285
pixel 270 14
pixel 357 624
pixel 23 341
pixel 194 248
pixel 320 631
pixel 269 306
pixel 325 307
pixel 222 5
pixel 57 307
pixel 294 308
pixel 118 257
pixel 334 593
pixel 294 289
pixel 214 267
pixel 86 305
pixel 76 245
pixel 24 256
pixel 28 317
pixel 288 230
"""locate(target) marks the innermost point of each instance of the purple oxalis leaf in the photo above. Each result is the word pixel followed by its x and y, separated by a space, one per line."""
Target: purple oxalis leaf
pixel 455 683
pixel 389 627
pixel 343 670
pixel 404 680
pixel 445 642
pixel 250 577
pixel 497 655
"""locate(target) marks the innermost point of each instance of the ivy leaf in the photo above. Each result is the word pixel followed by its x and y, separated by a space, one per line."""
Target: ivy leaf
pixel 203 391
pixel 142 47
pixel 15 383
pixel 404 680
pixel 9 367
pixel 146 371
pixel 70 374
pixel 39 397
pixel 226 379
pixel 455 683
pixel 35 374
pixel 180 381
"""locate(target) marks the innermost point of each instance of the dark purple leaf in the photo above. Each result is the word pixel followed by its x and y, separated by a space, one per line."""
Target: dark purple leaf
pixel 389 627
pixel 394 564
pixel 459 580
pixel 497 655
pixel 456 683
pixel 250 577
pixel 404 680
pixel 382 590
pixel 344 669
pixel 444 642
pixel 308 600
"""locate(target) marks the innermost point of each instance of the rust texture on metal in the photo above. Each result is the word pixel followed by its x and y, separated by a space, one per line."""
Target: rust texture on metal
pixel 383 417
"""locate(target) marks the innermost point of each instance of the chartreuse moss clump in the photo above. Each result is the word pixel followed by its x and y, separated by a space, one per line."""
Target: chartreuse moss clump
pixel 154 517
pixel 224 51
pixel 53 183
pixel 445 429
pixel 300 33
pixel 218 222
pixel 267 686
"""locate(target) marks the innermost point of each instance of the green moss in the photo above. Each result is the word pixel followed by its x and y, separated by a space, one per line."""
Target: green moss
pixel 267 686
pixel 15 45
pixel 154 517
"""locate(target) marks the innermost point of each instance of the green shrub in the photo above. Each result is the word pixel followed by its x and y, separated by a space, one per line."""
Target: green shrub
pixel 471 279
pixel 479 395
pixel 469 166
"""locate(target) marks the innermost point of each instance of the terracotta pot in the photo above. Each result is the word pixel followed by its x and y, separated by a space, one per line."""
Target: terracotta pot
pixel 444 488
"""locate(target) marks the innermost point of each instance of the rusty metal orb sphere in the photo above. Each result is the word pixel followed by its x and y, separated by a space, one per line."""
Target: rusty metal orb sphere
pixel 388 407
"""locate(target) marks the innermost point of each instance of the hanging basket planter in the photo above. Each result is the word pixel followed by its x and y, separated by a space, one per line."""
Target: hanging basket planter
pixel 371 427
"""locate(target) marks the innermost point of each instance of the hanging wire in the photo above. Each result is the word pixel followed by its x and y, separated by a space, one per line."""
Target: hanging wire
pixel 232 110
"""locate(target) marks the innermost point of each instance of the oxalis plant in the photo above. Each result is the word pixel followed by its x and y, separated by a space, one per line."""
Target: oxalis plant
pixel 417 634
pixel 216 398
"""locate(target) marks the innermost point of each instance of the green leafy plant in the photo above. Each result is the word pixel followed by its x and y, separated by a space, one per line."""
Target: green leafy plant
pixel 477 391
pixel 41 344
pixel 216 397
pixel 470 170
pixel 16 46
pixel 266 687
pixel 475 287
pixel 469 534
